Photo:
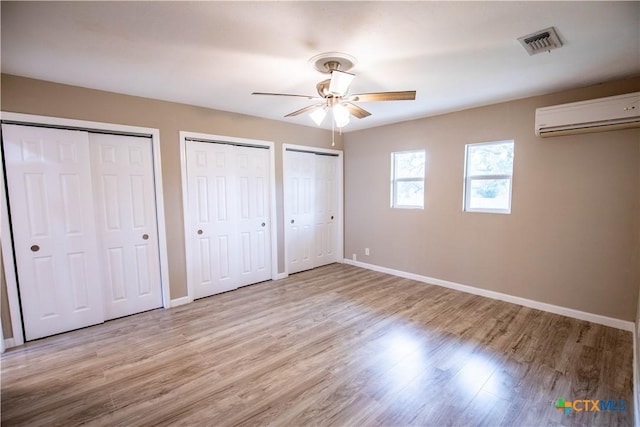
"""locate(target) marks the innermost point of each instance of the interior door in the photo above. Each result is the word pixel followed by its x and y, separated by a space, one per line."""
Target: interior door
pixel 49 181
pixel 229 216
pixel 253 222
pixel 299 195
pixel 122 169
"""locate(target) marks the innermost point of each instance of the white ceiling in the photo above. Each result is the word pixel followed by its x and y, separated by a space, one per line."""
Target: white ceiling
pixel 214 54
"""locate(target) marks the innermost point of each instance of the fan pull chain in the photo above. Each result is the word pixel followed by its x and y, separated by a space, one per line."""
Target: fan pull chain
pixel 333 132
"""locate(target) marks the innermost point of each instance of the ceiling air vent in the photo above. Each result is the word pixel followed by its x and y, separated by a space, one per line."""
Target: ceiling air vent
pixel 541 41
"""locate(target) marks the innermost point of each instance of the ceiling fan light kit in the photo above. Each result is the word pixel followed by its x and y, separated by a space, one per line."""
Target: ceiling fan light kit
pixel 341 115
pixel 334 92
pixel 318 115
pixel 340 82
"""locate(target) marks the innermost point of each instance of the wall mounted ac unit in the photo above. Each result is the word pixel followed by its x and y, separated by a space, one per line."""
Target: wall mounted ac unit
pixel 596 115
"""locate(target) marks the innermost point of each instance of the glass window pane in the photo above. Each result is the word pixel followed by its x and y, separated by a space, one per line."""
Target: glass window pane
pixel 410 193
pixel 409 164
pixel 490 159
pixel 489 194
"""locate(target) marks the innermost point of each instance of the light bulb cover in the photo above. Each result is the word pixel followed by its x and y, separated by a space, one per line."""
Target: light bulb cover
pixel 340 115
pixel 318 115
pixel 340 82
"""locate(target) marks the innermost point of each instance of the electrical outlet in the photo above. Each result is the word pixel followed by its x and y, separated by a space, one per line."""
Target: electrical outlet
pixel 366 251
pixel 355 257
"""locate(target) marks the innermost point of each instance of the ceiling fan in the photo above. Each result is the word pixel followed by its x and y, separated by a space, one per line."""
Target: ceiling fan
pixel 334 92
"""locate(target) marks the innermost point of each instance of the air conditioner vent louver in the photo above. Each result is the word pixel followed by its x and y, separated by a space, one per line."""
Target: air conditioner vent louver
pixel 541 41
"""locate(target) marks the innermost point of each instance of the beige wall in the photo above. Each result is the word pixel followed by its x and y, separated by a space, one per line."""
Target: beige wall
pixel 22 95
pixel 572 237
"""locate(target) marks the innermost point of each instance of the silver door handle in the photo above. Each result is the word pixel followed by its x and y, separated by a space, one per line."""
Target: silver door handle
pixel 145 237
pixel 263 224
pixel 199 232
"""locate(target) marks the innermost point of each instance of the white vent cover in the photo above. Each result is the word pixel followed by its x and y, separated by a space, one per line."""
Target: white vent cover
pixel 541 41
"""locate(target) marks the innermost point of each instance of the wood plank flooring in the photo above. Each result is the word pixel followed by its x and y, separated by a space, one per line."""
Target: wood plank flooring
pixel 338 345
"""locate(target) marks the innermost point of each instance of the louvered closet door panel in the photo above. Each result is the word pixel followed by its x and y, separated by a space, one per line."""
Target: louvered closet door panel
pixel 122 168
pixel 53 222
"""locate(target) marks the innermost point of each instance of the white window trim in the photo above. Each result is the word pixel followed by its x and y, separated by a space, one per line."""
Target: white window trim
pixel 394 180
pixel 466 195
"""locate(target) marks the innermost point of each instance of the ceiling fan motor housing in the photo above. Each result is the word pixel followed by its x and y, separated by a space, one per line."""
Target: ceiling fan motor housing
pixel 323 88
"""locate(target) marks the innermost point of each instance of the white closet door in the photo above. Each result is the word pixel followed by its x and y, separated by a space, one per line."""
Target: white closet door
pixel 211 197
pixel 49 184
pixel 311 209
pixel 229 216
pixel 299 195
pixel 253 223
pixel 325 218
pixel 124 197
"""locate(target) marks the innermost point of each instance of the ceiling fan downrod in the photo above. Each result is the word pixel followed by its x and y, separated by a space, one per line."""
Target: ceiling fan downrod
pixel 331 66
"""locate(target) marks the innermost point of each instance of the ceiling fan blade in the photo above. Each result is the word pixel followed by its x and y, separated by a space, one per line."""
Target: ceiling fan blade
pixel 360 113
pixel 284 94
pixel 407 95
pixel 303 110
pixel 340 82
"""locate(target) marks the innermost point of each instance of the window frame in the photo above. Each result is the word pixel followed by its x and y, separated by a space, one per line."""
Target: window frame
pixel 395 181
pixel 468 179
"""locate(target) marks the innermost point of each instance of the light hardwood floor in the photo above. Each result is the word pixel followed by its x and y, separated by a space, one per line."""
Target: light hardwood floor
pixel 338 345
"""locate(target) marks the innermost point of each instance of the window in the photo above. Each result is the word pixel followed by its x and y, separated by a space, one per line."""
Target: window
pixel 407 179
pixel 487 177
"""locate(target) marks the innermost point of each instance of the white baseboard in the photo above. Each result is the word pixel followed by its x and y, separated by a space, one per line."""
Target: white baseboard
pixel 9 342
pixel 180 301
pixel 564 311
pixel 186 300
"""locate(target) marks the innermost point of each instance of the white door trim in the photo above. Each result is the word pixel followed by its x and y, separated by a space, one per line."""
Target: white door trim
pixel 184 135
pixel 5 230
pixel 8 265
pixel 340 189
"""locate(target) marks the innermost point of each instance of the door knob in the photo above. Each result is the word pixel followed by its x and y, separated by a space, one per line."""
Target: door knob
pixel 263 224
pixel 292 221
pixel 331 216
pixel 35 248
pixel 199 231
pixel 145 237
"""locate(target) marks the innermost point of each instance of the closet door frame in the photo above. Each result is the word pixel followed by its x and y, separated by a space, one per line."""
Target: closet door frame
pixel 186 135
pixel 340 195
pixel 6 237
